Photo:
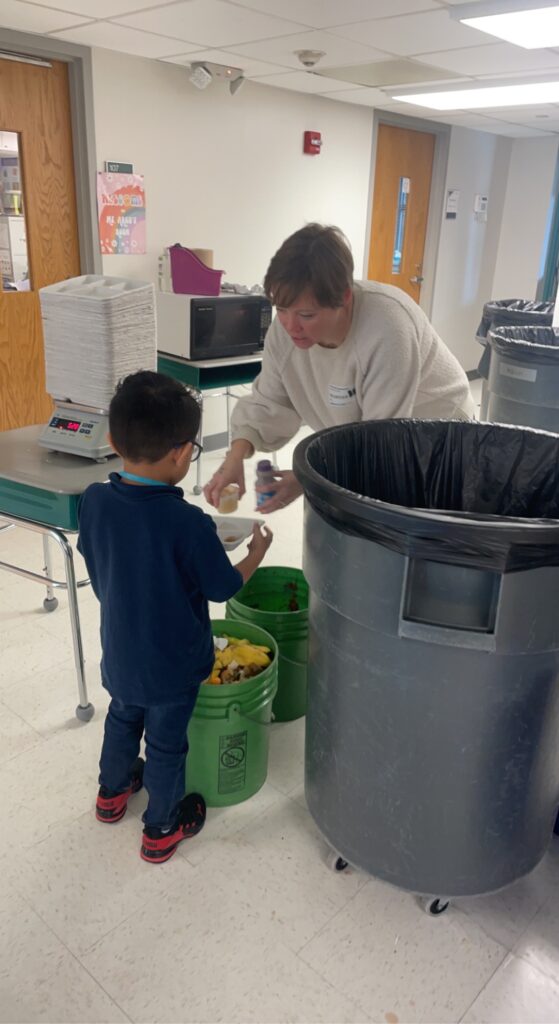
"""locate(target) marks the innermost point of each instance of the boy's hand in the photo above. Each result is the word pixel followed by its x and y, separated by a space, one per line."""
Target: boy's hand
pixel 257 548
pixel 260 541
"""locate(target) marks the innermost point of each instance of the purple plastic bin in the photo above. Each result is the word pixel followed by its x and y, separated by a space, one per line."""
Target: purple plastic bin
pixel 190 276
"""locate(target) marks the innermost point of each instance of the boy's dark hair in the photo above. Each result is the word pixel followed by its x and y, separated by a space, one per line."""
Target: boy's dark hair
pixel 315 257
pixel 149 413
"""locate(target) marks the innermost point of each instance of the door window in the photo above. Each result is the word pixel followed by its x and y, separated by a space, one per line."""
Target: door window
pixel 14 259
pixel 401 208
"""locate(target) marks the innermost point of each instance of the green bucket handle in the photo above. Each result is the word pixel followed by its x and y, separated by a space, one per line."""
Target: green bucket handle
pixel 299 664
pixel 236 709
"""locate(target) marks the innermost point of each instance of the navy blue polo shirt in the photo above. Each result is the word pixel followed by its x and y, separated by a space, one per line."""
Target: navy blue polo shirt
pixel 154 562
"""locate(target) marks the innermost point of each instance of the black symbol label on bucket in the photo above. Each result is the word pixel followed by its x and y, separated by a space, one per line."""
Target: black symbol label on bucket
pixel 232 762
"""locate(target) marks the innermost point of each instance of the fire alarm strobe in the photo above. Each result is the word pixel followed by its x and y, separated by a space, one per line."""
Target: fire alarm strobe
pixel 312 141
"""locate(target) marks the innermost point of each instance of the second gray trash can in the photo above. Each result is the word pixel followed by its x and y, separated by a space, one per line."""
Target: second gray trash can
pixel 432 737
pixel 523 385
pixel 507 313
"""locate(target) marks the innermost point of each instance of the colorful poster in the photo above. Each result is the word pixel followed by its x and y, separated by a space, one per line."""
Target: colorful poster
pixel 122 213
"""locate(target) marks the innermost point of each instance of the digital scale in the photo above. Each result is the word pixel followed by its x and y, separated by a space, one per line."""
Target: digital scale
pixel 78 430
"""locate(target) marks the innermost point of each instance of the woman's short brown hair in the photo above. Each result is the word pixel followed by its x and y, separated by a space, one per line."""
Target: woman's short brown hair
pixel 316 257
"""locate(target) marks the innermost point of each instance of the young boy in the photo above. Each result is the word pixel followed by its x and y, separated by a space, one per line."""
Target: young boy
pixel 154 562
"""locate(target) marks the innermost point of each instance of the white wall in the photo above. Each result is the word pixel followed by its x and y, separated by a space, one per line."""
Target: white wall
pixel 525 218
pixel 228 173
pixel 478 163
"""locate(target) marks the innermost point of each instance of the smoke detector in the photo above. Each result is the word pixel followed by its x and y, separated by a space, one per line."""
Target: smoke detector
pixel 309 58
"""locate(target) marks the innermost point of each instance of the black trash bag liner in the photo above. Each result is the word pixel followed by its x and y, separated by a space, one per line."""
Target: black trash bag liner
pixel 538 345
pixel 506 312
pixel 472 494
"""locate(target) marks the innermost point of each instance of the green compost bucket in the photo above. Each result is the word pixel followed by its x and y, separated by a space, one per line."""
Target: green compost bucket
pixel 229 731
pixel 277 599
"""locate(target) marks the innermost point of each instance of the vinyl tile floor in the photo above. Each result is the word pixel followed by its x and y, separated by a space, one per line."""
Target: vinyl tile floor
pixel 248 922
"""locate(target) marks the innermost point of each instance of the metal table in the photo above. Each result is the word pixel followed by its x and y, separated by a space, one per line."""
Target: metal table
pixel 39 491
pixel 211 375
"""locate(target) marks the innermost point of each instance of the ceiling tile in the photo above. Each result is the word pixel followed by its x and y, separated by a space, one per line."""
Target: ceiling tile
pixel 512 131
pixel 411 34
pixel 324 13
pixel 126 40
pixel 498 58
pixel 363 97
pixel 249 66
pixel 29 18
pixel 338 51
pixel 97 8
pixel 545 117
pixel 210 23
pixel 299 81
pixel 392 73
pixel 480 122
pixel 408 109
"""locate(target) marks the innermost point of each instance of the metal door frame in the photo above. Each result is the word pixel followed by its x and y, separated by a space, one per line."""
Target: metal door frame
pixel 80 78
pixel 436 198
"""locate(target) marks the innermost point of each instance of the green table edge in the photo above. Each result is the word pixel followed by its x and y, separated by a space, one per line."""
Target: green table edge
pixel 206 378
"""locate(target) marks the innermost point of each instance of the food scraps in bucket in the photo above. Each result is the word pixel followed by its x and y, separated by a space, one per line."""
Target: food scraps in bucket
pixel 293 605
pixel 237 660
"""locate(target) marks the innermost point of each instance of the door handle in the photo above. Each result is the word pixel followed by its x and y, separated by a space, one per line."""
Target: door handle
pixel 417 280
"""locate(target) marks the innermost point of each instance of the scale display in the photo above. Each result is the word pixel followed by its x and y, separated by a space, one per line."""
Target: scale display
pixel 60 424
pixel 77 431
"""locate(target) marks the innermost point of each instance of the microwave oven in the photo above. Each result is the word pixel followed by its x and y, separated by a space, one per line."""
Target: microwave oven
pixel 201 327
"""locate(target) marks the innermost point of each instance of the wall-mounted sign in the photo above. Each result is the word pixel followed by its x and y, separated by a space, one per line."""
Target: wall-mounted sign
pixel 452 200
pixel 122 214
pixel 480 207
pixel 116 168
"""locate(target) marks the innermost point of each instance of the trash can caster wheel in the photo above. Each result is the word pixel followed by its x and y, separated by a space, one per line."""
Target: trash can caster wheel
pixel 50 604
pixel 337 863
pixel 196 489
pixel 85 712
pixel 435 907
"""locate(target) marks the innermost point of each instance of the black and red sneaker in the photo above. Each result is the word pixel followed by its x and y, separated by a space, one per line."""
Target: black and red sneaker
pixel 111 807
pixel 158 846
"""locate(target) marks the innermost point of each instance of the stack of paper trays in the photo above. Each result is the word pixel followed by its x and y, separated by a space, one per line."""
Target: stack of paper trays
pixel 97 330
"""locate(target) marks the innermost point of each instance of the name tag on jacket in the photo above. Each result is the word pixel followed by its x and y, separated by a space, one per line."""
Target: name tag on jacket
pixel 340 396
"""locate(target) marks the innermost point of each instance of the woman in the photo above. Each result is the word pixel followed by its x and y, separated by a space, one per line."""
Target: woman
pixel 338 351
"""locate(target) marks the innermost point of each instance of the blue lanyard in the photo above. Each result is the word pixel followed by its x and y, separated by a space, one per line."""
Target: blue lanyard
pixel 142 479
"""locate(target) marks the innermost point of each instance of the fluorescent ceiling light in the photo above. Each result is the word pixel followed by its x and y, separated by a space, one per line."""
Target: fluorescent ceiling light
pixel 532 27
pixel 487 96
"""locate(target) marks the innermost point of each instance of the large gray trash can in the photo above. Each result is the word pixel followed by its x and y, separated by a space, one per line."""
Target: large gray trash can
pixel 432 731
pixel 523 385
pixel 507 313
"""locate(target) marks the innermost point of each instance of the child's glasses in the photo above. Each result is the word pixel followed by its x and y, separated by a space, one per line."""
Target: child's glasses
pixel 198 448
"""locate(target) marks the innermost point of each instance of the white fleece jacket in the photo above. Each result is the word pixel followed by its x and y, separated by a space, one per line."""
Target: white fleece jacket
pixel 391 364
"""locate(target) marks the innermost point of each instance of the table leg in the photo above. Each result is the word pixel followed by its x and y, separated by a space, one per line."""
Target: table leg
pixel 197 489
pixel 50 602
pixel 228 414
pixel 85 709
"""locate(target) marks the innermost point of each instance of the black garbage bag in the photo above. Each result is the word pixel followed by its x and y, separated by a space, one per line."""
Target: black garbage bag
pixel 510 313
pixel 528 344
pixel 471 493
pixel 514 312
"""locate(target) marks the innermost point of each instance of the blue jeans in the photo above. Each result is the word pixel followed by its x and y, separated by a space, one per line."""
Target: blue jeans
pixel 165 728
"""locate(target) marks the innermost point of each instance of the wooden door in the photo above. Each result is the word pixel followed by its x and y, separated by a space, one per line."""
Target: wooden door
pixel 34 104
pixel 404 166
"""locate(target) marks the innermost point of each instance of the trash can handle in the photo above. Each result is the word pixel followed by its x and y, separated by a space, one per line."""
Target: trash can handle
pixel 433 634
pixel 469 619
